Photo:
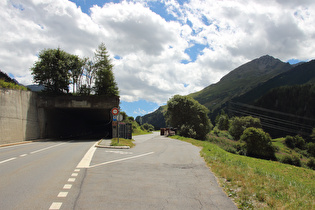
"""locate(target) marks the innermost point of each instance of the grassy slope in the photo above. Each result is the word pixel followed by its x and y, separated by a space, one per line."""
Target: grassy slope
pixel 239 81
pixel 259 184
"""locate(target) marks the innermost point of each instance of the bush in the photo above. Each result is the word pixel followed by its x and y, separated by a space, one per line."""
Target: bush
pixel 289 141
pixel 299 142
pixel 292 160
pixel 239 124
pixel 188 131
pixel 311 148
pixel 258 143
pixel 296 141
pixel 223 122
pixel 311 163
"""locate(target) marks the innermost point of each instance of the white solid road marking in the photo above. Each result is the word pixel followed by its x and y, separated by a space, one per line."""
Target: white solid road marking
pixel 67 186
pixel 4 161
pixel 62 194
pixel 86 160
pixel 47 148
pixel 55 206
pixel 114 161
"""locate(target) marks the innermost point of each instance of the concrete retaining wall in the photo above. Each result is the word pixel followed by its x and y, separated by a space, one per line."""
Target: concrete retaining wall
pixel 18 116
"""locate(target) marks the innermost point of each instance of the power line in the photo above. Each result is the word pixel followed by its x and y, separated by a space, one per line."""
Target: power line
pixel 275 120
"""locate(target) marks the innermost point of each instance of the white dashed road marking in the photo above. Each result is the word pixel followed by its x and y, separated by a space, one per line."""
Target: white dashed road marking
pixel 4 161
pixel 71 180
pixel 47 148
pixel 62 194
pixel 67 186
pixel 55 206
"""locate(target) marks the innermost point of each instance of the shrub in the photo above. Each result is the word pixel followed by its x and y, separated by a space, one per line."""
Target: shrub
pixel 311 148
pixel 292 160
pixel 296 141
pixel 188 131
pixel 311 163
pixel 299 142
pixel 286 159
pixel 258 143
pixel 289 141
pixel 223 122
pixel 239 124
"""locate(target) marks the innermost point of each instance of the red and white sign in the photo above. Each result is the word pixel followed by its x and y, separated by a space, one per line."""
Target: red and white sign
pixel 115 111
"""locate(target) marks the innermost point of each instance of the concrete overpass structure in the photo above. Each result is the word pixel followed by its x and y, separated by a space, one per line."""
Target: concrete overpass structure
pixel 25 115
pixel 76 116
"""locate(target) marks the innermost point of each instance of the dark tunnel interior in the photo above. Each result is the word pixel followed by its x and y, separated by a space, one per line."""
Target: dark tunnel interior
pixel 78 123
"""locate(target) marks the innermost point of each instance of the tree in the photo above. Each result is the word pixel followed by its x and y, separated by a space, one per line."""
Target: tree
pixel 77 67
pixel 188 116
pixel 55 68
pixel 104 78
pixel 222 121
pixel 52 70
pixel 239 124
pixel 258 143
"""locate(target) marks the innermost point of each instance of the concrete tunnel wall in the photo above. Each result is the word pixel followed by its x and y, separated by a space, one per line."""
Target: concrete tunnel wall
pixel 26 116
pixel 18 116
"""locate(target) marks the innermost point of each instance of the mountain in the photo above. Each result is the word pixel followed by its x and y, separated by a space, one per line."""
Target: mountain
pixel 155 118
pixel 299 75
pixel 234 84
pixel 36 88
pixel 240 81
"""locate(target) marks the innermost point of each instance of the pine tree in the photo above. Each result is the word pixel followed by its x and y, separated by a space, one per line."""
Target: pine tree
pixel 105 84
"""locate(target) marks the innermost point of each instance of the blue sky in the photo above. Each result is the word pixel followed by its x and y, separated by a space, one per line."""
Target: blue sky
pixel 158 48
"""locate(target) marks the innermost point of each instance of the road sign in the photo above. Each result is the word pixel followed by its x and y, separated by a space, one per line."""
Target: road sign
pixel 115 118
pixel 115 111
pixel 120 117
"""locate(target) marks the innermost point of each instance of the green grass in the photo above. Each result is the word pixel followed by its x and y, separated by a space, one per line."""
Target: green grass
pixel 10 85
pixel 123 142
pixel 259 184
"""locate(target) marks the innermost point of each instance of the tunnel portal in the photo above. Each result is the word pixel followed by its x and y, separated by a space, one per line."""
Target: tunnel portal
pixel 76 117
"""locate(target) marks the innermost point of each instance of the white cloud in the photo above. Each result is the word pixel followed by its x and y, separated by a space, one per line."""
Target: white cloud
pixel 151 48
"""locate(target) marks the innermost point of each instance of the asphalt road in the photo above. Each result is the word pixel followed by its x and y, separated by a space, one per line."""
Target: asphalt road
pixel 159 173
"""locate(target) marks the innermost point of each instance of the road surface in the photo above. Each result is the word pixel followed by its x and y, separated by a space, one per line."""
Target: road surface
pixel 159 173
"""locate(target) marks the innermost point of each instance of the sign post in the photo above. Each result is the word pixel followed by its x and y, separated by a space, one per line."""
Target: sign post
pixel 115 112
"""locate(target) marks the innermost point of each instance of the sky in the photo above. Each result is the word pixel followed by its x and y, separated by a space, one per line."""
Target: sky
pixel 158 48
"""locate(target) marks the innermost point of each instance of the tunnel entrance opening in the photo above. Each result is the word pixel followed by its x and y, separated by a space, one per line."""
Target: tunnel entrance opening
pixel 78 123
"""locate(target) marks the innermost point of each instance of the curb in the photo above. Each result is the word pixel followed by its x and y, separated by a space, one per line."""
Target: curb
pixel 21 142
pixel 113 147
pixel 110 147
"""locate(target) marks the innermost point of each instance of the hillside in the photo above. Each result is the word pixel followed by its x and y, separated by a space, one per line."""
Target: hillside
pixel 6 78
pixel 301 74
pixel 155 118
pixel 240 81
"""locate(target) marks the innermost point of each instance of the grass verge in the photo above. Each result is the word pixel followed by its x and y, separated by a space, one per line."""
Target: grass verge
pixel 259 184
pixel 123 142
